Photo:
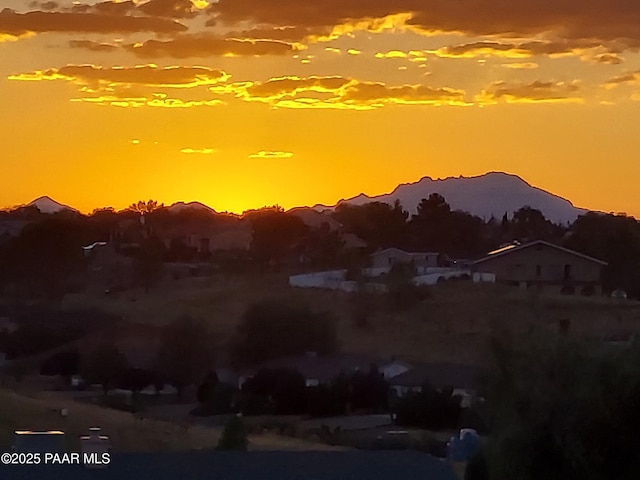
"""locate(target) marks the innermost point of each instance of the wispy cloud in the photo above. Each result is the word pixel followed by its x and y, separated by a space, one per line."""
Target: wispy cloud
pixel 271 154
pixel 203 151
pixel 534 92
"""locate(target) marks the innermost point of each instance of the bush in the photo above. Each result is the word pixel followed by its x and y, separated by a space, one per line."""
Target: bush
pixel 274 391
pixel 234 435
pixel 477 468
pixel 429 409
pixel 271 330
pixel 220 401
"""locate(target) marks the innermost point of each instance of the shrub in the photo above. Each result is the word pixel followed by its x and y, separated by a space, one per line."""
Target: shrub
pixel 234 435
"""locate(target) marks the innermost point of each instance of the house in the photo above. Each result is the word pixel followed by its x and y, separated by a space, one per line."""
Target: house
pixel 322 369
pixel 545 266
pixel 252 465
pixel 461 378
pixel 392 256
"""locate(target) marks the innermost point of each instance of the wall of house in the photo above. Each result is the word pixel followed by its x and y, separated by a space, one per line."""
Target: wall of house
pixel 542 264
pixel 387 258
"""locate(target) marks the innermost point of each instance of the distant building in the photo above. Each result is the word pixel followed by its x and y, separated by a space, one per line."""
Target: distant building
pixel 462 379
pixel 392 256
pixel 322 369
pixel 545 266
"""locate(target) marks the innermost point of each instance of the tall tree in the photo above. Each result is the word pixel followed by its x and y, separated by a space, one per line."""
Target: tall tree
pixel 186 352
pixel 614 239
pixel 271 329
pixel 144 208
pixel 562 409
pixel 437 228
pixel 103 366
pixel 379 224
pixel 275 235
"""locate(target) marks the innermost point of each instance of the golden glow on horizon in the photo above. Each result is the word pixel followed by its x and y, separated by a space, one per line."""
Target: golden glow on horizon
pixel 250 112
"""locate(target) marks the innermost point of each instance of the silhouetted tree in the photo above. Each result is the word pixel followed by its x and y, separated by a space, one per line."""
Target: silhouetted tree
pixel 44 257
pixel 135 379
pixel 369 390
pixel 429 408
pixel 186 352
pixel 103 366
pixel 64 363
pixel 234 435
pixel 437 228
pixel 271 329
pixel 530 224
pixel 379 224
pixel 144 208
pixel 275 391
pixel 614 239
pixel 276 235
pixel 561 409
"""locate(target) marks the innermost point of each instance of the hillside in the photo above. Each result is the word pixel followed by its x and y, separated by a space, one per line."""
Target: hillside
pixel 453 325
pixel 41 411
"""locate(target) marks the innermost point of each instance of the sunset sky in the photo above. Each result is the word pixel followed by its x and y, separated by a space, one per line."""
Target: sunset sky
pixel 246 103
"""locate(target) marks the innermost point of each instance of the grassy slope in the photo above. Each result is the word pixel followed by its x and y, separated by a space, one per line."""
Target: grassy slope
pixel 41 412
pixel 451 326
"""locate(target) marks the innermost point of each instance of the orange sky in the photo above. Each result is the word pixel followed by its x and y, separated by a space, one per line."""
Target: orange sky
pixel 245 103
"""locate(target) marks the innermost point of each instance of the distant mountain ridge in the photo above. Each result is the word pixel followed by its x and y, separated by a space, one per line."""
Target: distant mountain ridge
pixel 48 205
pixel 491 194
pixel 182 206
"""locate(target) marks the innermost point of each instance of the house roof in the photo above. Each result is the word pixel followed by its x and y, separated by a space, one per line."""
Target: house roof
pixel 324 367
pixel 351 240
pixel 351 465
pixel 438 375
pixel 517 248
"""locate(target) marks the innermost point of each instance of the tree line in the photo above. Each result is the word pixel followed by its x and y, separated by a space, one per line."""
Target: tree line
pixel 46 258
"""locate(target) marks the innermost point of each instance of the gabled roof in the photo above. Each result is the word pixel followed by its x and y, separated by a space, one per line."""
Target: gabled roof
pixel 324 367
pixel 517 248
pixel 438 375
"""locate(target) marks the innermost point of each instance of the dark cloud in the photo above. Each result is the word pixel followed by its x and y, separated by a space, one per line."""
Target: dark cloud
pixel 534 92
pixel 147 75
pixel 12 23
pixel 181 9
pixel 110 8
pixel 608 58
pixel 169 8
pixel 204 45
pixel 517 50
pixel 600 20
pixel 44 5
pixel 94 46
pixel 338 93
pixel 628 78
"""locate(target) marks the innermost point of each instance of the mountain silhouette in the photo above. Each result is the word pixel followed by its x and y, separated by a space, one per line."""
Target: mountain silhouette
pixel 48 205
pixel 182 206
pixel 491 194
